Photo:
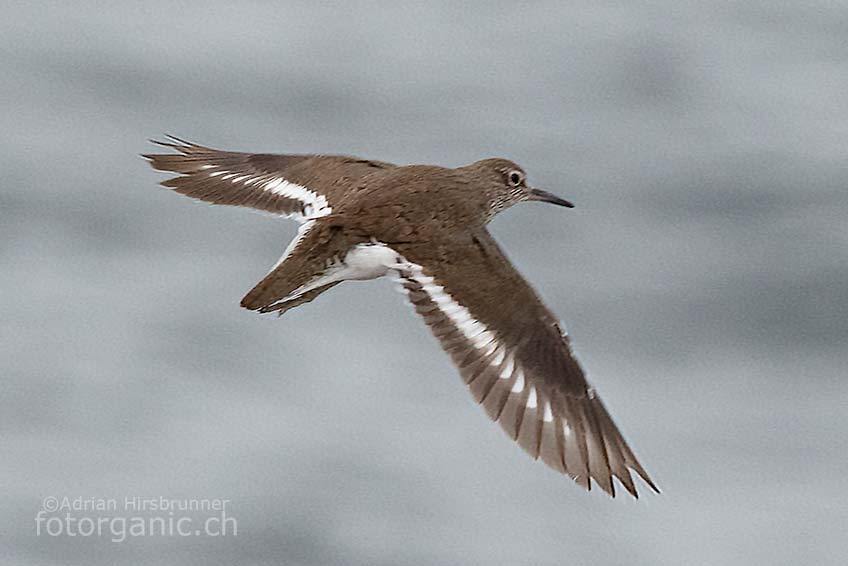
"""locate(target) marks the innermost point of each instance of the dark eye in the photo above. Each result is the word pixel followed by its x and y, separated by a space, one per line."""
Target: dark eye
pixel 515 178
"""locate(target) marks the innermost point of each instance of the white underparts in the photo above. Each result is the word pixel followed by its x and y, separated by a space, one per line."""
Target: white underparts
pixel 369 261
pixel 362 262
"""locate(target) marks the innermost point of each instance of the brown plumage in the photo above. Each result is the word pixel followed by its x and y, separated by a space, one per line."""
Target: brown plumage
pixel 426 225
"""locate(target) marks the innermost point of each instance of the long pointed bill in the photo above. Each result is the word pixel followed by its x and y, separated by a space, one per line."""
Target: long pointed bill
pixel 545 196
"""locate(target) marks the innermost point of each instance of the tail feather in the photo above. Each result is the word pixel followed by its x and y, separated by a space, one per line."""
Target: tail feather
pixel 307 269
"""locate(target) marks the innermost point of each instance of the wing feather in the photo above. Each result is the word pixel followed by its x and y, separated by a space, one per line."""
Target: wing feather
pixel 302 187
pixel 516 360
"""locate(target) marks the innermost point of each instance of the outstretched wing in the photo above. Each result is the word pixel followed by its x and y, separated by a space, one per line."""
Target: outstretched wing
pixel 296 186
pixel 515 358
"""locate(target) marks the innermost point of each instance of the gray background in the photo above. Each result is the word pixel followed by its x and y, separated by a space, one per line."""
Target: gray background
pixel 704 276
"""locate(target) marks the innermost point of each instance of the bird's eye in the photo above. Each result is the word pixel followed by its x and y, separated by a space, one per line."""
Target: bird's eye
pixel 515 178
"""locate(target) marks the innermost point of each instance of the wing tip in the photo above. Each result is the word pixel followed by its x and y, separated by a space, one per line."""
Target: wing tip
pixel 173 142
pixel 648 481
pixel 586 482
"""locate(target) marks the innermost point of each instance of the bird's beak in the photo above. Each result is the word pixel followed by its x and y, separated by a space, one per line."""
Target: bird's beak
pixel 545 196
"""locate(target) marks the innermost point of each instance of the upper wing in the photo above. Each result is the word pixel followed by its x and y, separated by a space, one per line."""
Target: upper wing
pixel 297 186
pixel 515 358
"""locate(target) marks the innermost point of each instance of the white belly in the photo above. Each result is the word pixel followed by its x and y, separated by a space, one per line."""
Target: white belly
pixel 364 261
pixel 368 261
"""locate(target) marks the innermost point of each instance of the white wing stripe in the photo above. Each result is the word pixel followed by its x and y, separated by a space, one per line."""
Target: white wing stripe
pixel 507 370
pixel 473 330
pixel 531 400
pixel 314 205
pixel 499 356
pixel 518 386
pixel 548 415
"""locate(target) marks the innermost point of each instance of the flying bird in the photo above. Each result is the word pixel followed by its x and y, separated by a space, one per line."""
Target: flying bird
pixel 426 225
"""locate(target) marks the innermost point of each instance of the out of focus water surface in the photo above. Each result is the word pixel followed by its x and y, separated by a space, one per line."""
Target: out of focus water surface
pixel 703 275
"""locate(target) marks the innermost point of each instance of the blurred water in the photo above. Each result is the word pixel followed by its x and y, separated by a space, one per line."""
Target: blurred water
pixel 704 276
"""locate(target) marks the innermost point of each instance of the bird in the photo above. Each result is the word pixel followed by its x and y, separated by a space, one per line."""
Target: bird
pixel 426 226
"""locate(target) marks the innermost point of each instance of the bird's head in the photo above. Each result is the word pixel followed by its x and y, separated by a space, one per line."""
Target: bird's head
pixel 505 184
